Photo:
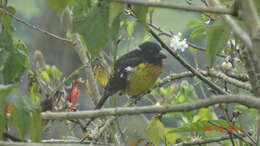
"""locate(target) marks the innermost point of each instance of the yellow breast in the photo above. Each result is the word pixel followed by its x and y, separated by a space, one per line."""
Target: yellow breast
pixel 142 78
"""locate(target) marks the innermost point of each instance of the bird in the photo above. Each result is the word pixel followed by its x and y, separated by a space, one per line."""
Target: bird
pixel 135 72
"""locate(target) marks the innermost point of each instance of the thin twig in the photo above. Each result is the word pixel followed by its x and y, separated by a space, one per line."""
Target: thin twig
pixel 175 6
pixel 4 143
pixel 75 72
pixel 35 27
pixel 215 74
pixel 231 133
pixel 207 141
pixel 189 43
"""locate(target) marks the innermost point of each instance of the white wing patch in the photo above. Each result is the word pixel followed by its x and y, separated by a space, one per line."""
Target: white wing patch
pixel 121 75
pixel 129 68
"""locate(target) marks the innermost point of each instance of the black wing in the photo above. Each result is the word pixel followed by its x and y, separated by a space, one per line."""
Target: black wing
pixel 130 59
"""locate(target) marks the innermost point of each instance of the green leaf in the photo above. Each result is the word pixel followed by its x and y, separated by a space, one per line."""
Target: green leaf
pixel 6 20
pixel 94 28
pixel 252 114
pixel 24 115
pixel 34 90
pixel 140 12
pixel 81 7
pixel 16 63
pixel 130 25
pixel 36 126
pixel 114 10
pixel 199 34
pixel 257 5
pixel 195 24
pixel 59 6
pixel 218 35
pixel 3 121
pixel 170 137
pixel 21 120
pixel 200 126
pixel 5 43
pixel 114 29
pixel 4 91
pixel 187 91
pixel 14 57
pixel 48 71
pixel 155 131
pixel 204 114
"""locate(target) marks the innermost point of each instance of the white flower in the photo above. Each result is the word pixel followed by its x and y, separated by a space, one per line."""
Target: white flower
pixel 177 43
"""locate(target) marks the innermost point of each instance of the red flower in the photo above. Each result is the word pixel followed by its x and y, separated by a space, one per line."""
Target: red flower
pixel 75 92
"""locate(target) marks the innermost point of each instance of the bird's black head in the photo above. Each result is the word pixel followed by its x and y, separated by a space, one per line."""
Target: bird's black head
pixel 152 52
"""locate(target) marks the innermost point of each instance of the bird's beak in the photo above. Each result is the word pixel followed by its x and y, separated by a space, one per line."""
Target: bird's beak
pixel 161 55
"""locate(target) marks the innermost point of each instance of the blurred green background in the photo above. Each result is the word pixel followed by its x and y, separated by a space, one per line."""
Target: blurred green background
pixel 63 56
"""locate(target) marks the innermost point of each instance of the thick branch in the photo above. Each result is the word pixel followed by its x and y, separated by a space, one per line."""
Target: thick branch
pixel 249 14
pixel 175 6
pixel 248 101
pixel 251 20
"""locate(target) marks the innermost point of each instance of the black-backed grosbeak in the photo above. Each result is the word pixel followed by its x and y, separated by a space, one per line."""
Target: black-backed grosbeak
pixel 135 72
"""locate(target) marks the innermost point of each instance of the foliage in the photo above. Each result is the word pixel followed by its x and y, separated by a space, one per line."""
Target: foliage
pixel 218 36
pixel 101 19
pixel 110 28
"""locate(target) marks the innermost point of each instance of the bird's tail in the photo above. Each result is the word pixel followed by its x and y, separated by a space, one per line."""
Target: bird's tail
pixel 102 101
pixel 99 105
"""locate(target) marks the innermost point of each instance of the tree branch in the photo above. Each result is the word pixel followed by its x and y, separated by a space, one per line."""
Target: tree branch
pixel 73 142
pixel 215 74
pixel 187 65
pixel 3 143
pixel 228 79
pixel 175 6
pixel 207 141
pixel 251 19
pixel 240 77
pixel 238 31
pixel 252 44
pixel 91 83
pixel 189 43
pixel 35 27
pixel 248 101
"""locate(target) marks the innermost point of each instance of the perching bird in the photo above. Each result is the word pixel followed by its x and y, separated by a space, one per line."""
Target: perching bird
pixel 135 72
